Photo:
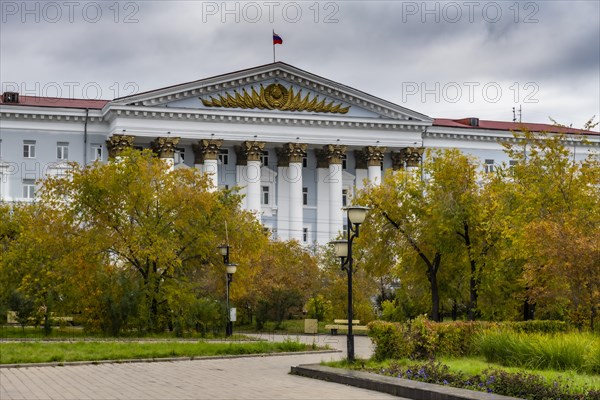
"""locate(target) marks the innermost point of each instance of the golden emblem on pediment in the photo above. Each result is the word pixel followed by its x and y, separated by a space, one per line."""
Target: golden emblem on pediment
pixel 275 97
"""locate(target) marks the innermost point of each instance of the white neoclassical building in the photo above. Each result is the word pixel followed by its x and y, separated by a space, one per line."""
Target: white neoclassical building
pixel 298 145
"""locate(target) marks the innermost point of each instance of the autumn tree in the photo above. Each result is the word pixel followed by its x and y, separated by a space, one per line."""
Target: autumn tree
pixel 162 226
pixel 420 223
pixel 551 224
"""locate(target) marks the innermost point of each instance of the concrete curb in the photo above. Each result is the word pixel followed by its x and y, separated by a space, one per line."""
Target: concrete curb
pixel 395 386
pixel 170 359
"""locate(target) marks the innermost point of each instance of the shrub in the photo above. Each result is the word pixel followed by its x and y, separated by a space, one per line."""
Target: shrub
pixel 421 338
pixel 389 340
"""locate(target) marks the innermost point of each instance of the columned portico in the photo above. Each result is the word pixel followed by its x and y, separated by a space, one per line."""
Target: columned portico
pixel 374 157
pixel 290 176
pixel 206 153
pixel 360 169
pixel 408 158
pixel 334 155
pixel 165 148
pixel 116 144
pixel 248 161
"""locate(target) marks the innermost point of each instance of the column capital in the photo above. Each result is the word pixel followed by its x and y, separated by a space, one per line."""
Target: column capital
pixel 374 155
pixel 117 143
pixel 411 156
pixel 249 151
pixel 206 149
pixel 330 154
pixel 360 159
pixel 165 146
pixel 291 153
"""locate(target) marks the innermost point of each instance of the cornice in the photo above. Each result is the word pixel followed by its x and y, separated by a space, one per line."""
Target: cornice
pixel 499 136
pixel 49 114
pixel 222 116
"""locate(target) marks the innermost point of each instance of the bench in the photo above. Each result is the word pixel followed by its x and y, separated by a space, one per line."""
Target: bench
pixel 11 319
pixel 343 324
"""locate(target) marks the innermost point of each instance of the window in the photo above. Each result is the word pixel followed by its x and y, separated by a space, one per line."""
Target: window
pixel 305 162
pixel 29 188
pixel 62 150
pixel 489 166
pixel 512 163
pixel 265 195
pixel 264 157
pixel 305 235
pixel 344 161
pixel 97 152
pixel 29 149
pixel 305 196
pixel 224 156
pixel 179 156
pixel 344 197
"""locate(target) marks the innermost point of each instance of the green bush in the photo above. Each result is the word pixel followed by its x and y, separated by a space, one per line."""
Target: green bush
pixel 542 351
pixel 421 338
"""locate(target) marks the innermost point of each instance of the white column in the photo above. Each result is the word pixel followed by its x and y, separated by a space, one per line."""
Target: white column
pixel 334 178
pixel 294 175
pixel 283 205
pixel 322 206
pixel 374 174
pixel 241 181
pixel 211 168
pixel 206 153
pixel 374 158
pixel 361 176
pixel 252 172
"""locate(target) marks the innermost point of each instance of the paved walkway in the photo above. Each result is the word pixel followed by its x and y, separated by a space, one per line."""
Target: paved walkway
pixel 238 378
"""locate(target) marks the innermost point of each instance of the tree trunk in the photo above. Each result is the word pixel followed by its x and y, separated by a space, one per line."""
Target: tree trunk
pixel 435 293
pixel 473 292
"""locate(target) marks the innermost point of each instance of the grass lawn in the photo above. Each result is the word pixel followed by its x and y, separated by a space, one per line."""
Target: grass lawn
pixel 34 352
pixel 75 332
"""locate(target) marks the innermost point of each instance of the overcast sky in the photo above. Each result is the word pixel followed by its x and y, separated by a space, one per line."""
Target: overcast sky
pixel 443 59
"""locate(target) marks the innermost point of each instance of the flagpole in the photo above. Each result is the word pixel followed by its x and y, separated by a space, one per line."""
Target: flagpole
pixel 273 46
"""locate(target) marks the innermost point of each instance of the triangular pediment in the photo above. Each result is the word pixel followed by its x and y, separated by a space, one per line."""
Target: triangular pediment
pixel 276 88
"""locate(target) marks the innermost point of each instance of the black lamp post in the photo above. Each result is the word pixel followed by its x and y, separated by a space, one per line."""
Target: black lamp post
pixel 343 249
pixel 230 270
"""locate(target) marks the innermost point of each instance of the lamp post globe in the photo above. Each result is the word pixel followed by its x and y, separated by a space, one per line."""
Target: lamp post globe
pixel 340 247
pixel 357 214
pixel 231 268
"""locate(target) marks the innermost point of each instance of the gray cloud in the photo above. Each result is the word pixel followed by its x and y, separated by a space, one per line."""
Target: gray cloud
pixel 377 47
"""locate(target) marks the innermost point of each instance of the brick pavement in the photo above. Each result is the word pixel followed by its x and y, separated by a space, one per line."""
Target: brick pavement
pixel 238 378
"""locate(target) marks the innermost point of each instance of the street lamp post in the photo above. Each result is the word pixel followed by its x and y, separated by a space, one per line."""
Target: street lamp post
pixel 230 270
pixel 343 249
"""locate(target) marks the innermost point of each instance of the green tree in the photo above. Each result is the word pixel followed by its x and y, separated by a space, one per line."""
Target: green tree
pixel 421 223
pixel 132 219
pixel 551 222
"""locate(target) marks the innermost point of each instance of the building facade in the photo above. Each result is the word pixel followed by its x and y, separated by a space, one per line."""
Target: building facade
pixel 297 145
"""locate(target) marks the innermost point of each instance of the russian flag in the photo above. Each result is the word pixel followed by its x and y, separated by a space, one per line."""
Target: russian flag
pixel 277 39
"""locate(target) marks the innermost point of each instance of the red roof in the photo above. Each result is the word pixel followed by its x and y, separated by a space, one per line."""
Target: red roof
pixel 508 126
pixel 56 102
